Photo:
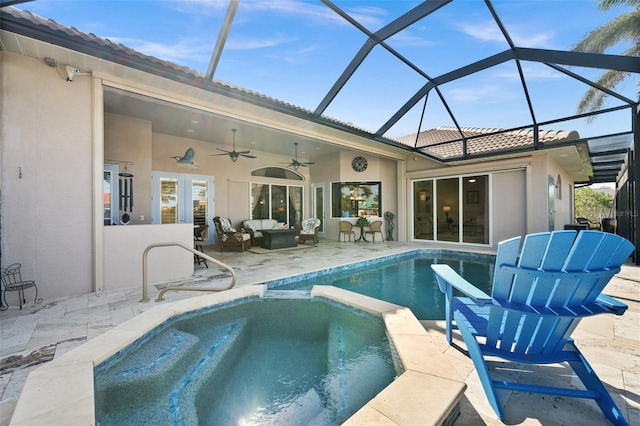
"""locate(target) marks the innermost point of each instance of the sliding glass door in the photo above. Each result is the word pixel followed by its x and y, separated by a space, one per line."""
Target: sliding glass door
pixel 452 209
pixel 279 202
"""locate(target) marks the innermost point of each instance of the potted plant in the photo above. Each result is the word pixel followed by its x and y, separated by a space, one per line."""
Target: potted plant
pixel 362 222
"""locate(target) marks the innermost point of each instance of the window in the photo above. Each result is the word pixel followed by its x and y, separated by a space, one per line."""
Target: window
pixel 169 192
pixel 280 202
pixel 559 186
pixel 354 199
pixel 278 173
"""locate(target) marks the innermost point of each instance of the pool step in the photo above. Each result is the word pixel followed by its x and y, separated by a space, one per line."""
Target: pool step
pixel 287 294
pixel 174 362
pixel 354 375
pixel 144 373
pixel 223 351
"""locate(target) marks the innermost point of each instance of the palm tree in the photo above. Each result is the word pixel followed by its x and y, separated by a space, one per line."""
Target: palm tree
pixel 625 27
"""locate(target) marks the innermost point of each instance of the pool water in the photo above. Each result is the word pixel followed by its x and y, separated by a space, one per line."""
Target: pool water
pixel 406 281
pixel 266 361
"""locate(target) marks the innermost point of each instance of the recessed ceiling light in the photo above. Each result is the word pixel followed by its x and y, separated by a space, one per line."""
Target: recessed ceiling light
pixel 195 121
pixel 190 130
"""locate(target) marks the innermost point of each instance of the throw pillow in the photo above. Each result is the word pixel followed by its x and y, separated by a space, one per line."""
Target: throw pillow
pixel 226 225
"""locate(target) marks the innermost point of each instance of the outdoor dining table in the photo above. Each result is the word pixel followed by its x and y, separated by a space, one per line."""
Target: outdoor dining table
pixel 362 236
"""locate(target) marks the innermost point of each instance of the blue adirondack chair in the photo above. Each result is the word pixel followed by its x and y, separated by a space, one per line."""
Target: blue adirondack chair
pixel 539 296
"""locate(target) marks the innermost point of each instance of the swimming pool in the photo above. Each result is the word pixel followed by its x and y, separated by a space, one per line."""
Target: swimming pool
pixel 265 361
pixel 405 280
pixel 63 391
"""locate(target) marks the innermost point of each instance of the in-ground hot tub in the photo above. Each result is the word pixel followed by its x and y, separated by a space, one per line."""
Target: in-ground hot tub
pixel 272 360
pixel 428 389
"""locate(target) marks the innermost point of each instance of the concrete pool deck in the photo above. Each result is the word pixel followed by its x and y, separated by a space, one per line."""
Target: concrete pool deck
pixel 41 333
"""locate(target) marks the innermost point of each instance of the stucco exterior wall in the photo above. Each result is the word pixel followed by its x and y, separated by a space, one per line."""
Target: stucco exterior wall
pixel 125 245
pixel 324 176
pixel 509 205
pixel 563 205
pixel 47 175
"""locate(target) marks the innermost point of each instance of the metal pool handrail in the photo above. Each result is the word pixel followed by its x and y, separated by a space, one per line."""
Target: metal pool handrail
pixel 145 297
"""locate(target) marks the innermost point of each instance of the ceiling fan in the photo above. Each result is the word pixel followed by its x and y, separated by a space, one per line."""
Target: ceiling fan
pixel 235 154
pixel 297 164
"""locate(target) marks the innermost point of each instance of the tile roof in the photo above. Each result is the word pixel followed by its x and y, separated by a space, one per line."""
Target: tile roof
pixel 447 142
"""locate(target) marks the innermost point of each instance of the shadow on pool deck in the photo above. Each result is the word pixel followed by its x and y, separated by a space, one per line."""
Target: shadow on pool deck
pixel 40 333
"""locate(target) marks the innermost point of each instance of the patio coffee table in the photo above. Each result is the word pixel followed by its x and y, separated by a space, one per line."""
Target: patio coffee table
pixel 279 238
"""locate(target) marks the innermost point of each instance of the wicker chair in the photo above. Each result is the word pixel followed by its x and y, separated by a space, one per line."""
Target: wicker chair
pixel 346 228
pixel 199 243
pixel 375 228
pixel 309 231
pixel 228 237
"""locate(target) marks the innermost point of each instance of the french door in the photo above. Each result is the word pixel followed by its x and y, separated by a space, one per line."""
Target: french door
pixel 183 198
pixel 110 195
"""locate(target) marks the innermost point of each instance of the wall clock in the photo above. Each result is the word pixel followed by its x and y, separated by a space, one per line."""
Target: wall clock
pixel 359 164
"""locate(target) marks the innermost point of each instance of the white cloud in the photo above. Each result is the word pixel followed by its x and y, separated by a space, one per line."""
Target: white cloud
pixel 405 39
pixel 299 10
pixel 488 93
pixel 297 56
pixel 180 52
pixel 488 31
pixel 246 43
pixel 530 73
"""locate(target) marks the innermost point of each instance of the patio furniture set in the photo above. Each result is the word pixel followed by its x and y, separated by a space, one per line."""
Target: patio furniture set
pixel 270 233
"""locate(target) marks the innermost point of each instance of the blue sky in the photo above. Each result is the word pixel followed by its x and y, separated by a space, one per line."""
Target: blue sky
pixel 295 50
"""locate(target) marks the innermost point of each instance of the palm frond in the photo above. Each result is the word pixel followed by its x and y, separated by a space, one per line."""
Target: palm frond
pixel 608 4
pixel 593 99
pixel 625 27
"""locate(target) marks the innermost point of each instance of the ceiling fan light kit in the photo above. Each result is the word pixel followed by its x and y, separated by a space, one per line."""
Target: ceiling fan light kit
pixel 297 164
pixel 235 154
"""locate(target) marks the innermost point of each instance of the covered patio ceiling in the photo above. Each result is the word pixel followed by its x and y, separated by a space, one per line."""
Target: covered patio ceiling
pixel 387 78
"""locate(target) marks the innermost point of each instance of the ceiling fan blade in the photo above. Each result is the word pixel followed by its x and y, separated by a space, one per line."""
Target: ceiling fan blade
pixel 224 150
pixel 308 163
pixel 246 155
pixel 244 152
pixel 226 153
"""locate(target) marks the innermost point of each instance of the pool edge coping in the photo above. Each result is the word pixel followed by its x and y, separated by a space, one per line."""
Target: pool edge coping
pixel 53 394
